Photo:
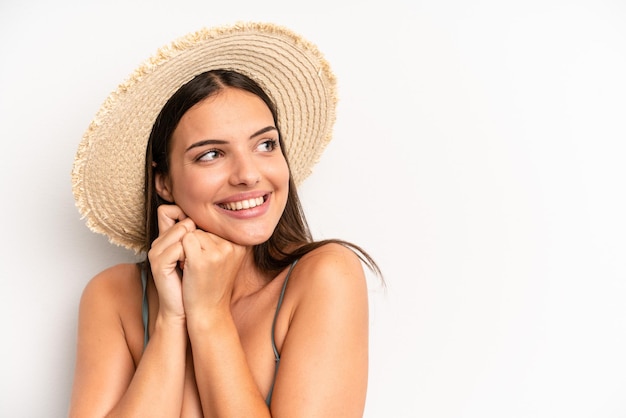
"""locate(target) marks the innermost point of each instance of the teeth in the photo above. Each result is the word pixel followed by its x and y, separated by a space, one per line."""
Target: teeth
pixel 243 204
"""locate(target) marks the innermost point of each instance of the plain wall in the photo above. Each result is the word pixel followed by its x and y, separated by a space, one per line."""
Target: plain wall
pixel 478 156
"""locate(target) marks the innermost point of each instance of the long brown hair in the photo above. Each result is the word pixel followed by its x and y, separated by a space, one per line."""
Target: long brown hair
pixel 292 237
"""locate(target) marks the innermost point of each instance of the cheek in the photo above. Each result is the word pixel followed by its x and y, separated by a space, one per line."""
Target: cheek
pixel 282 173
pixel 192 188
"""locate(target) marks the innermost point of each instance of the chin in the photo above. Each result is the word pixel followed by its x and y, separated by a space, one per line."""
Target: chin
pixel 250 241
pixel 245 238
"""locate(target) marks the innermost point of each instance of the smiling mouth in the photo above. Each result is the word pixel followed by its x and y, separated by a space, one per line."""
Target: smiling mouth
pixel 243 204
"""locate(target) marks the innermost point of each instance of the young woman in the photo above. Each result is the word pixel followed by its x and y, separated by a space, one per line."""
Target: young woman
pixel 236 311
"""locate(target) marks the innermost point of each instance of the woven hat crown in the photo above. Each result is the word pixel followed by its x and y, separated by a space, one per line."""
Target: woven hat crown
pixel 108 172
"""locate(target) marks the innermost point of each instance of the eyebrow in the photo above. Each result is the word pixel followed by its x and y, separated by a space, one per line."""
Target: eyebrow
pixel 222 142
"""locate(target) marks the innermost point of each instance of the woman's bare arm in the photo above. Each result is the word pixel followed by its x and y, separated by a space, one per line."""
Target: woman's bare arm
pixel 106 382
pixel 324 357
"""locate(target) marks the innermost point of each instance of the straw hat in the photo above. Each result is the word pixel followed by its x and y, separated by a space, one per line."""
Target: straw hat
pixel 108 171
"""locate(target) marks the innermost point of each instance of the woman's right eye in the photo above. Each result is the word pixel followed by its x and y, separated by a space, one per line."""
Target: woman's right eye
pixel 209 155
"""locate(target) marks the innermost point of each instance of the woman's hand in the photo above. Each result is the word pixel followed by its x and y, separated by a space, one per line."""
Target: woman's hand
pixel 210 266
pixel 165 255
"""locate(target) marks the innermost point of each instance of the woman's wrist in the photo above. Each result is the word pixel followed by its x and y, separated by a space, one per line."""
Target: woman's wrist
pixel 208 320
pixel 170 321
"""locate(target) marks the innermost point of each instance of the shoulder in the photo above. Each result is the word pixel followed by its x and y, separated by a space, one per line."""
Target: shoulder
pixel 331 259
pixel 113 278
pixel 332 271
pixel 114 284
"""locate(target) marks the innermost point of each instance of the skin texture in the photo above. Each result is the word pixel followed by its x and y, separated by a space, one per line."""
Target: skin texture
pixel 211 309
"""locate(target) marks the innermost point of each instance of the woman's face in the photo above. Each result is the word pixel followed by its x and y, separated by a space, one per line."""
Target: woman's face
pixel 227 172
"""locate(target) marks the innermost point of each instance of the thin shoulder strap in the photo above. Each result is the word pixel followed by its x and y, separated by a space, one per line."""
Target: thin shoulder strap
pixel 268 400
pixel 144 305
pixel 280 302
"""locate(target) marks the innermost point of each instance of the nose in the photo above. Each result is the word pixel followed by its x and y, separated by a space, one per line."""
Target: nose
pixel 245 171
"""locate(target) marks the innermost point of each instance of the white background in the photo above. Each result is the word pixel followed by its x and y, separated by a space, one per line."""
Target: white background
pixel 478 155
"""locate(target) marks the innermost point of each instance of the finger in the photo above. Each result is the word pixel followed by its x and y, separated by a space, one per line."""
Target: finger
pixel 192 244
pixel 200 249
pixel 168 216
pixel 176 253
pixel 166 258
pixel 201 245
pixel 173 236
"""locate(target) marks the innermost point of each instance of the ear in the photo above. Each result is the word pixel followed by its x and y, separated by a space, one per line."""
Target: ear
pixel 163 187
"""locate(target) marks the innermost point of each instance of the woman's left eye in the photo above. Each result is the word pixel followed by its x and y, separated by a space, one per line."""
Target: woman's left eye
pixel 269 145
